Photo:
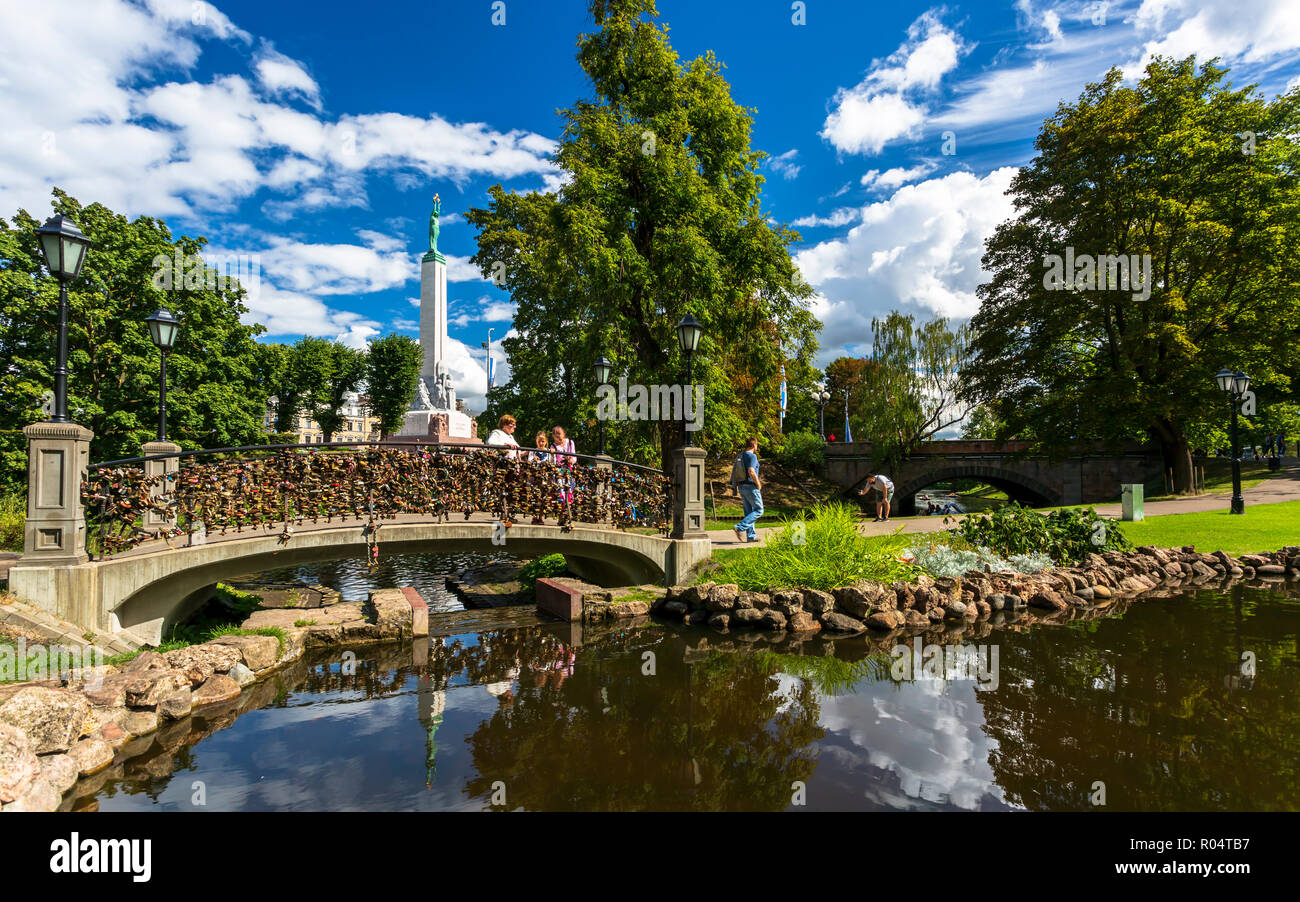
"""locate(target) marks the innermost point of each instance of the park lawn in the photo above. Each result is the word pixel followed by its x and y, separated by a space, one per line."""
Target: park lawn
pixel 1265 527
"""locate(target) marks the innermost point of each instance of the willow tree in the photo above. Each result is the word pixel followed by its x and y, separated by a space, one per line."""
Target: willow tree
pixel 1177 171
pixel 659 215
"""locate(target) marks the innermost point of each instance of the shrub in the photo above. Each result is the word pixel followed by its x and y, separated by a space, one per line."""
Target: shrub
pixel 543 567
pixel 1062 535
pixel 942 560
pixel 804 450
pixel 13 515
pixel 821 549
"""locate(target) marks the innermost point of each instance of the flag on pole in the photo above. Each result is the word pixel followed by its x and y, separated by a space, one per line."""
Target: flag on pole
pixel 491 369
pixel 848 433
pixel 783 398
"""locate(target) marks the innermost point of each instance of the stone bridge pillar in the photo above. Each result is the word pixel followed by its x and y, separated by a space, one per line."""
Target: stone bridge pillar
pixel 688 493
pixel 164 467
pixel 57 457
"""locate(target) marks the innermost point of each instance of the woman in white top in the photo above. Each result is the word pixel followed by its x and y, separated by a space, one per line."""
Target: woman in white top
pixel 504 436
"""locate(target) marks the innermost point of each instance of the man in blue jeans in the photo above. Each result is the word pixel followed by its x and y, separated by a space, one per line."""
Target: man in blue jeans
pixel 751 497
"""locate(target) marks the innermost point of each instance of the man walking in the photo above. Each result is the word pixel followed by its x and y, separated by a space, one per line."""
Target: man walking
pixel 744 476
pixel 884 489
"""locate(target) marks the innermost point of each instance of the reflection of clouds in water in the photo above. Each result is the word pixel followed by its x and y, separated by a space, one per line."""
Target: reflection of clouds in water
pixel 926 733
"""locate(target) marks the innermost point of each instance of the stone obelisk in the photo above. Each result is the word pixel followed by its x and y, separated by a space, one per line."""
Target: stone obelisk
pixel 433 414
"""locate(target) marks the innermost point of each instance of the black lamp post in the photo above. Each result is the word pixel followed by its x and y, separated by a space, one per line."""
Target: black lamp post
pixel 822 397
pixel 1234 385
pixel 602 368
pixel 64 248
pixel 689 332
pixel 162 329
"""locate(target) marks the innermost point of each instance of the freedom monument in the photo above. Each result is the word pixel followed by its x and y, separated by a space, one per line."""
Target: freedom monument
pixel 433 415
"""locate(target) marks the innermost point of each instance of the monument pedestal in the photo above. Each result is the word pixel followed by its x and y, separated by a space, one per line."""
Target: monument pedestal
pixel 434 426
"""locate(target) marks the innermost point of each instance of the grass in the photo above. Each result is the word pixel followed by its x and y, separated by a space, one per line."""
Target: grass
pixel 822 549
pixel 302 623
pixel 1264 527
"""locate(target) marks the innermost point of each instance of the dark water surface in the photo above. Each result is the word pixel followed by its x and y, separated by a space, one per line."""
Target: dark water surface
pixel 355 579
pixel 1150 701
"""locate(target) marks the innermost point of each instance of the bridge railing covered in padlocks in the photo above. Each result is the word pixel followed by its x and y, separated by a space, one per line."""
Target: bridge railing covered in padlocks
pixel 262 487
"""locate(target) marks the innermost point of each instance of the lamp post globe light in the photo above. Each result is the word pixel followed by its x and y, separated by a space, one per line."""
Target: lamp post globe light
pixel 64 247
pixel 602 369
pixel 162 330
pixel 689 332
pixel 822 397
pixel 1235 386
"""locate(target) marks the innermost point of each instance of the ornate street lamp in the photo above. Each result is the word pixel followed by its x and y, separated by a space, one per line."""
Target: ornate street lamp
pixel 162 329
pixel 1234 385
pixel 822 397
pixel 602 368
pixel 64 248
pixel 689 332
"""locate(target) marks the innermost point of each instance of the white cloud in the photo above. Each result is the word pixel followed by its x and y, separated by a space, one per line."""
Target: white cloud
pixel 1246 30
pixel 918 252
pixel 784 165
pixel 876 111
pixel 840 217
pixel 896 177
pixel 279 74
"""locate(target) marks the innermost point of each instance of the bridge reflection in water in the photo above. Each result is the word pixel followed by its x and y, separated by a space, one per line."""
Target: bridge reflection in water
pixel 1146 699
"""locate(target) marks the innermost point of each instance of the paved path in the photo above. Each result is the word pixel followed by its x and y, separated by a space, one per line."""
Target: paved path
pixel 1283 487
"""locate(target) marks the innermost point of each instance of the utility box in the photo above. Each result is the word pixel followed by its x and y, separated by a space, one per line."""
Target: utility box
pixel 1132 503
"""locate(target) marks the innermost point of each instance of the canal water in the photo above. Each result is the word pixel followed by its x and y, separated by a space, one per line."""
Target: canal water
pixel 1183 703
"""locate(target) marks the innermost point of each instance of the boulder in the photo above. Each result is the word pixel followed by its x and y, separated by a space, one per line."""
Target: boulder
pixel 720 621
pixel 746 616
pixel 915 620
pixel 218 688
pixel 997 601
pixel 18 763
pixel 177 704
pixel 1270 570
pixel 109 692
pixel 60 771
pixel 259 652
pixel 1100 591
pixel 722 598
pixel 948 588
pixel 817 602
pixel 757 600
pixel 858 599
pixel 51 718
pixel 140 723
pixel 696 595
pixel 886 620
pixel 788 601
pixel 955 610
pixel 1047 599
pixel 772 619
pixel 91 755
pixel 803 622
pixel 696 616
pixel 144 662
pixel 40 796
pixel 198 662
pixel 145 690
pixel 676 608
pixel 841 623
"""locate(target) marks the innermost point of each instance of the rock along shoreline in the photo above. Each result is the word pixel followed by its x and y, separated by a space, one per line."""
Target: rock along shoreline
pixel 867 606
pixel 55 732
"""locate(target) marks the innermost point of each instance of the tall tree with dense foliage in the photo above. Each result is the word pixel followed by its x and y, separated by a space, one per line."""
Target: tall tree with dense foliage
pixel 660 216
pixel 1179 169
pixel 345 368
pixel 392 373
pixel 216 379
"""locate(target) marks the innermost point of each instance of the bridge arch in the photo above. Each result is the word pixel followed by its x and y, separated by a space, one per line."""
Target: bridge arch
pixel 1018 486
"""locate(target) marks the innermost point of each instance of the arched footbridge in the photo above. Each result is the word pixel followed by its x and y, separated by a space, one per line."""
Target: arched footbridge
pixel 1089 474
pixel 160 530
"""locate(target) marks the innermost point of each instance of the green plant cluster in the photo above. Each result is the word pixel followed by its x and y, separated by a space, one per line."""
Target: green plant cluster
pixel 13 516
pixel 804 450
pixel 543 567
pixel 1063 535
pixel 820 549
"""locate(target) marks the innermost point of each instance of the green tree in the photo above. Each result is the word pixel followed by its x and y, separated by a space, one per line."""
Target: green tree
pixel 911 390
pixel 346 368
pixel 1180 168
pixel 216 393
pixel 392 372
pixel 660 216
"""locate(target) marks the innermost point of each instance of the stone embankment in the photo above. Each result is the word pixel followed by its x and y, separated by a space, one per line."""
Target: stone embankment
pixel 54 732
pixel 1096 582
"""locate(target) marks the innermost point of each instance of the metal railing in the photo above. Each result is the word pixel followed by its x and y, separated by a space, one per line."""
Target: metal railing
pixel 260 487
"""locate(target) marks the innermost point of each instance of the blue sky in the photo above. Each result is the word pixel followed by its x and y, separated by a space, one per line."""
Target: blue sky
pixel 315 134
